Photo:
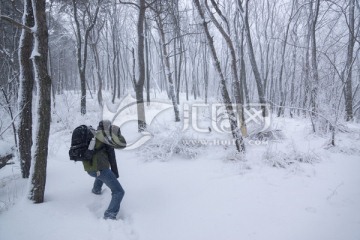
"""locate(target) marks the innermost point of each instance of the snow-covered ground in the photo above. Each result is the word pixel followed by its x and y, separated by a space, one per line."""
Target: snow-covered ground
pixel 206 196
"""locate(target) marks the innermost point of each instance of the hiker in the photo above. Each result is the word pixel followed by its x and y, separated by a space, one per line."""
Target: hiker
pixel 103 166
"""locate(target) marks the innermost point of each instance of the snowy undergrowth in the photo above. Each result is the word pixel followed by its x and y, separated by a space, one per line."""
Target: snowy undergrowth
pixel 163 147
pixel 290 159
pixel 312 193
pixel 11 189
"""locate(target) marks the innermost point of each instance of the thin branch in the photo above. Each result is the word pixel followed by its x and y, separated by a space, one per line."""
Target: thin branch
pixel 334 66
pixel 130 3
pixel 17 24
pixel 356 90
pixel 149 5
pixel 183 35
pixel 217 9
pixel 169 56
pixel 15 8
pixel 356 107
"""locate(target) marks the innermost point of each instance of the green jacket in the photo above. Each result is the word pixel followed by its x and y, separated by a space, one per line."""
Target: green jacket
pixel 104 154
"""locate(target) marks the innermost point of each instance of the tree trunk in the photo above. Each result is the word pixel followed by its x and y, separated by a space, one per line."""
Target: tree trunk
pixel 206 74
pixel 114 65
pixel 147 42
pixel 349 63
pixel 98 74
pixel 251 53
pixel 240 50
pixel 243 70
pixel 179 74
pixel 314 65
pixel 79 62
pixel 25 92
pixel 186 80
pixel 139 85
pixel 292 88
pixel 282 94
pixel 50 66
pixel 306 70
pixel 42 129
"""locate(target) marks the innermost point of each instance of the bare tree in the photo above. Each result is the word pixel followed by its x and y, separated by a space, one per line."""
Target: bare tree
pixel 82 50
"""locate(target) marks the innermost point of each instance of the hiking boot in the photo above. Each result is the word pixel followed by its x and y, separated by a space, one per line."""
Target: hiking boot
pixel 97 192
pixel 109 218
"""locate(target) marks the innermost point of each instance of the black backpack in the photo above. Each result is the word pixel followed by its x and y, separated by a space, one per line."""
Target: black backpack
pixel 80 141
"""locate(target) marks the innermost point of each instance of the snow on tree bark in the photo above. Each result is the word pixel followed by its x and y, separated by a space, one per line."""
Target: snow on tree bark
pixel 26 82
pixel 43 103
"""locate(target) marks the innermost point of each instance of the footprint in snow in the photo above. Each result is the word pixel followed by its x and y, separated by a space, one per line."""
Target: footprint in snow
pixel 96 206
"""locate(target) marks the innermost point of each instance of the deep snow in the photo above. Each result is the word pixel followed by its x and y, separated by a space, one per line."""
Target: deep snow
pixel 208 197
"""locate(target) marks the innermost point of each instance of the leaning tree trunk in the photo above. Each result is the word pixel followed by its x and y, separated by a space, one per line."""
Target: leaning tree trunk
pixel 40 149
pixel 25 92
pixel 225 95
pixel 239 96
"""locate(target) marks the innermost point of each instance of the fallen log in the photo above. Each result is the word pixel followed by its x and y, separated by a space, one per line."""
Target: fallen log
pixel 4 160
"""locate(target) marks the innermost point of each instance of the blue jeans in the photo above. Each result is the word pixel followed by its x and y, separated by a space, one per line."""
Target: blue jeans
pixel 117 192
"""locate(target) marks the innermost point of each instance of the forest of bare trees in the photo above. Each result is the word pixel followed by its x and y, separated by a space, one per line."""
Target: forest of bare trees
pixel 301 57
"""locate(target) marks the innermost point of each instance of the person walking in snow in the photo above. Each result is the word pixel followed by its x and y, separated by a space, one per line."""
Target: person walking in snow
pixel 103 166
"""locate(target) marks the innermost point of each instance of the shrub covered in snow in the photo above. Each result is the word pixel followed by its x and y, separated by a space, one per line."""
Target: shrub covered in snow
pixel 290 158
pixel 270 135
pixel 164 146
